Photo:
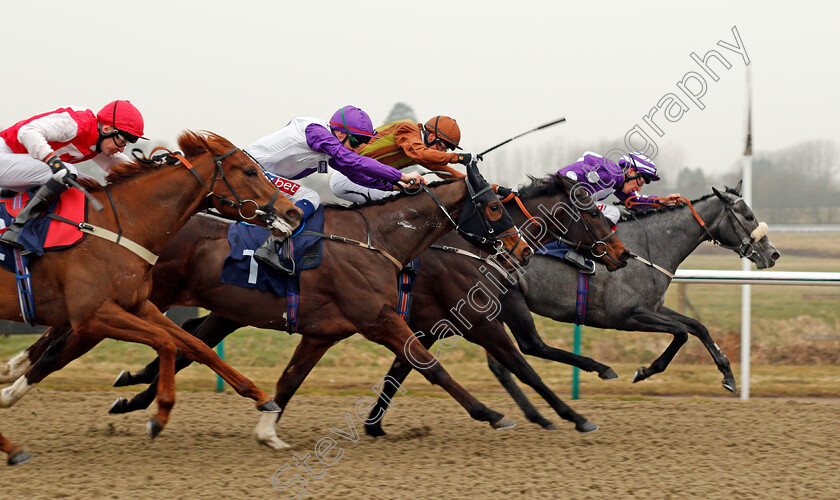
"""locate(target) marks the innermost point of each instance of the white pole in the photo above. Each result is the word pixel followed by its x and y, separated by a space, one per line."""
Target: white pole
pixel 746 192
pixel 745 295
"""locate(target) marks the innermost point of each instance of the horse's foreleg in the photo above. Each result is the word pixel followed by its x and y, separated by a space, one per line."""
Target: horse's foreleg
pixel 498 345
pixel 211 330
pixel 112 321
pixel 698 330
pixel 517 317
pixel 646 321
pixel 197 350
pixel 15 454
pixel 503 375
pixel 391 331
pixel 148 374
pixel 398 372
pixel 306 356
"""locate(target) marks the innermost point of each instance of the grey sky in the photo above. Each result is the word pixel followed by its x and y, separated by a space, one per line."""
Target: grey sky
pixel 243 69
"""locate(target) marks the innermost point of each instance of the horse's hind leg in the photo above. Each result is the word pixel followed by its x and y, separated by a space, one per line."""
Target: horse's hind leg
pixel 61 351
pixel 498 344
pixel 15 454
pixel 517 317
pixel 306 356
pixel 531 413
pixel 21 362
pixel 211 330
pixel 698 330
pixel 391 331
pixel 655 322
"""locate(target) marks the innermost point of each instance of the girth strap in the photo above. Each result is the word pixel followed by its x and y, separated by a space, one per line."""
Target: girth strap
pixel 103 233
pixel 342 239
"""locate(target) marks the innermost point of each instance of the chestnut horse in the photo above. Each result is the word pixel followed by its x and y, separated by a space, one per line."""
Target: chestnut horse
pixel 351 291
pixel 101 290
pixel 548 198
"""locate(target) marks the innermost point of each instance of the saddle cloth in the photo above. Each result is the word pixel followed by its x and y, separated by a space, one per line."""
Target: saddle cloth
pixel 43 234
pixel 241 269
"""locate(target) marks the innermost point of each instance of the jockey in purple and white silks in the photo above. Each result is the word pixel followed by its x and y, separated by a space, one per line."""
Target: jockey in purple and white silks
pixel 602 177
pixel 309 145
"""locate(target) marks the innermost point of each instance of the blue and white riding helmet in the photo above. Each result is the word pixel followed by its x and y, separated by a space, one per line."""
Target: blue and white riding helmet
pixel 641 163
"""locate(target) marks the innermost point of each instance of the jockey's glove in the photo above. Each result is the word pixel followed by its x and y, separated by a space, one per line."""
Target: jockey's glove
pixel 467 158
pixel 60 170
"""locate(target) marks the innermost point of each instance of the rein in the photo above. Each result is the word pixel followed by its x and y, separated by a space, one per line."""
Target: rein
pixel 577 245
pixel 745 249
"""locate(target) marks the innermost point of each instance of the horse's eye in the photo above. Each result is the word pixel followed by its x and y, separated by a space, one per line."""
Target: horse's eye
pixel 493 211
pixel 251 173
pixel 749 217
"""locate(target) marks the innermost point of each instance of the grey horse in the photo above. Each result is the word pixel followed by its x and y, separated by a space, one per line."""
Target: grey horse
pixel 631 299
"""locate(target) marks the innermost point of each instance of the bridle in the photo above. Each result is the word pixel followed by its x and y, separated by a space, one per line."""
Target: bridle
pixel 576 245
pixel 488 238
pixel 263 212
pixel 746 249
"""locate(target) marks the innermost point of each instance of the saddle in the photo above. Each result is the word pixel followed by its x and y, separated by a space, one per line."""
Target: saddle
pixel 45 233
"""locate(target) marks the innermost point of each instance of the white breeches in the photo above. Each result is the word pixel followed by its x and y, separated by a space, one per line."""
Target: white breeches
pixel 19 172
pixel 348 190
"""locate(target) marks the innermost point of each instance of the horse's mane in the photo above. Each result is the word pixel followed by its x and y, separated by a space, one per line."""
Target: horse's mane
pixel 635 215
pixel 548 186
pixel 191 143
pixel 383 201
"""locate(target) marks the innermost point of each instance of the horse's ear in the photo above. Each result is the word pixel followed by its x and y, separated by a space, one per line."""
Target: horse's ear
pixel 737 189
pixel 717 193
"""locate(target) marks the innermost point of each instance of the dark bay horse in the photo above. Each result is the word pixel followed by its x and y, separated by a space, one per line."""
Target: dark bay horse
pixel 353 289
pixel 631 300
pixel 101 290
pixel 465 278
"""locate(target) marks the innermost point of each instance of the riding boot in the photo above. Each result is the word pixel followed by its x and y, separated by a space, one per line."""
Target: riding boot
pixel 35 207
pixel 276 254
pixel 579 262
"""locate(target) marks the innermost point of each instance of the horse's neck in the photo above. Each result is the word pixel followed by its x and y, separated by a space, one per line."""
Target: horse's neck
pixel 669 237
pixel 153 207
pixel 557 212
pixel 408 226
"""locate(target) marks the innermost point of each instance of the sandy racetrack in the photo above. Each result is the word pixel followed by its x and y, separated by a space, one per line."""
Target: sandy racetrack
pixel 668 448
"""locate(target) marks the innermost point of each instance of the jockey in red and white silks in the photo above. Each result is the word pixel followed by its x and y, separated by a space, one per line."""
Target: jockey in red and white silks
pixel 72 134
pixel 41 151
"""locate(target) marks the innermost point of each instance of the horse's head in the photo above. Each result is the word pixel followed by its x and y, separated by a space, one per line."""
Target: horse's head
pixel 484 221
pixel 240 189
pixel 565 212
pixel 738 229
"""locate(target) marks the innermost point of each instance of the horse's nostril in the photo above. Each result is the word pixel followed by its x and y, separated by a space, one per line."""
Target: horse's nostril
pixel 527 254
pixel 775 255
pixel 293 214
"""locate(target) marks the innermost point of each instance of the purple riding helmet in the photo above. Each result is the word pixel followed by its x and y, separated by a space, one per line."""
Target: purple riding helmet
pixel 641 163
pixel 352 120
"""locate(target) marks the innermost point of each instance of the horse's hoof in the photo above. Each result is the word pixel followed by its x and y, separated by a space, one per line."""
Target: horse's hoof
pixel 550 427
pixel 119 407
pixel 639 374
pixel 729 385
pixel 123 379
pixel 275 443
pixel 608 374
pixel 154 428
pixel 586 427
pixel 375 431
pixel 503 423
pixel 269 407
pixel 21 457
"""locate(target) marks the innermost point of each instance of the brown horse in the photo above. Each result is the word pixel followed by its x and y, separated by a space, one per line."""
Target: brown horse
pixel 351 291
pixel 101 290
pixel 435 297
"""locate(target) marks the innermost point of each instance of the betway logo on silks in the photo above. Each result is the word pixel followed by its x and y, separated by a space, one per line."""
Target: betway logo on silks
pixel 286 185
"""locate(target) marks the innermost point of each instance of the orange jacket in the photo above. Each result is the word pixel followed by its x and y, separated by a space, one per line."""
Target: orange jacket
pixel 400 144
